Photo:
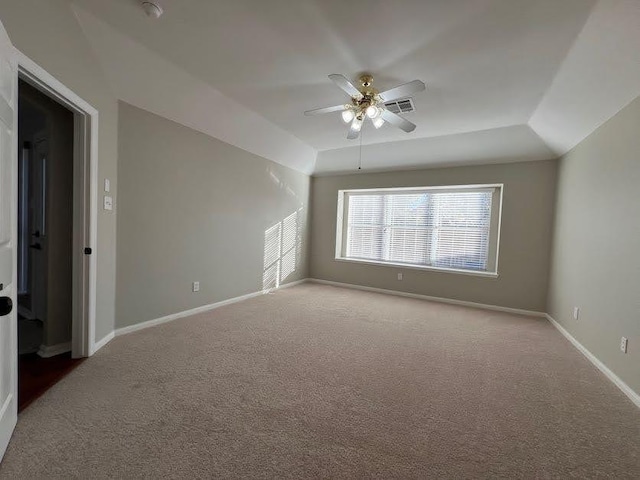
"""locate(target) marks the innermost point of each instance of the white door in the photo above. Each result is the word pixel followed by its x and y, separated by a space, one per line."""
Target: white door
pixel 8 241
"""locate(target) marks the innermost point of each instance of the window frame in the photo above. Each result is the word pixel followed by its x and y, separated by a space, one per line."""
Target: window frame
pixel 342 219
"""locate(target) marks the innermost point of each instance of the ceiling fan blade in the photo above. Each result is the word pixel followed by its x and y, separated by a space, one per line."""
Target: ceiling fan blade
pixel 320 111
pixel 397 121
pixel 354 131
pixel 342 82
pixel 402 91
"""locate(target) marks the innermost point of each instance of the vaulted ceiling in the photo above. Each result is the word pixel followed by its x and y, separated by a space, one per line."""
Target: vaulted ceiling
pixel 507 80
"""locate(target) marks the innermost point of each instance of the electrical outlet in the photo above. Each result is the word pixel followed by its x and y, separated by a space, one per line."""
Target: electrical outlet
pixel 623 344
pixel 196 286
pixel 576 313
pixel 400 276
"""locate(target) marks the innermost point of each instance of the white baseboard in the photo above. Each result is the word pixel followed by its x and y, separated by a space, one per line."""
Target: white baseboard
pixel 194 311
pixel 47 351
pixel 450 301
pixel 617 381
pixel 286 285
pixel 102 342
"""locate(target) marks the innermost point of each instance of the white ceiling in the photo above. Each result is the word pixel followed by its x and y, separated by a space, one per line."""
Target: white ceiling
pixel 488 65
pixel 144 78
pixel 599 77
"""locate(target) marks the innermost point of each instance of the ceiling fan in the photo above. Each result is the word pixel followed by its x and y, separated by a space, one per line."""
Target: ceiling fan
pixel 366 101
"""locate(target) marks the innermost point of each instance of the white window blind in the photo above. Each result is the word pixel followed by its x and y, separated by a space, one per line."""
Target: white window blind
pixel 437 228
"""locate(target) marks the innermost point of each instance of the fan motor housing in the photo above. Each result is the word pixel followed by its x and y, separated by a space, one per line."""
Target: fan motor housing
pixel 366 80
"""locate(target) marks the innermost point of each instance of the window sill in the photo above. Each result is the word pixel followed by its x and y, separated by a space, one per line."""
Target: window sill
pixel 420 267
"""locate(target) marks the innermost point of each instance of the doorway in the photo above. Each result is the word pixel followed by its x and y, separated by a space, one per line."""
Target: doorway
pixel 45 242
pixel 14 66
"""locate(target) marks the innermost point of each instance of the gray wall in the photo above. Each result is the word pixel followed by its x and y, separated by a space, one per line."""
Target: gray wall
pixel 596 254
pixel 193 208
pixel 49 34
pixel 529 191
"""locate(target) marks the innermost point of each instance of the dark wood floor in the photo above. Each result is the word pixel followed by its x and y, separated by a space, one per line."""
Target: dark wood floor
pixel 36 375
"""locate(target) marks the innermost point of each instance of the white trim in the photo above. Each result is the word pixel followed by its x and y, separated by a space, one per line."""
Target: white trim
pixel 102 342
pixel 3 410
pixel 409 266
pixel 451 301
pixel 185 313
pixel 421 189
pixel 55 88
pixel 499 232
pixel 284 285
pixel 86 120
pixel 47 351
pixel 617 381
pixel 194 311
pixel 92 240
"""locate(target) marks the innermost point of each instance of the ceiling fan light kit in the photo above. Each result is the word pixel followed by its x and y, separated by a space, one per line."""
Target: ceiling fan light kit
pixel 373 111
pixel 367 102
pixel 357 123
pixel 348 115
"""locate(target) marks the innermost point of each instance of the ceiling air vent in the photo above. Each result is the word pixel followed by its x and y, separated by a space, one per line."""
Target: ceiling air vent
pixel 404 105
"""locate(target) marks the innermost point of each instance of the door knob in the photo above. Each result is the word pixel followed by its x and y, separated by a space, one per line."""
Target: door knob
pixel 6 305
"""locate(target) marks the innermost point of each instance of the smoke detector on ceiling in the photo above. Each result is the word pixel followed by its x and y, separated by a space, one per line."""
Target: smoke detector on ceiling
pixel 152 9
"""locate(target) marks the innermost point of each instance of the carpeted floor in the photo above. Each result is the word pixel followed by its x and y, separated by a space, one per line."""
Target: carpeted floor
pixel 322 382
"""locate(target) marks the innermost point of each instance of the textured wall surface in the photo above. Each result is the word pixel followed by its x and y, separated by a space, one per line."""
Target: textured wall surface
pixel 596 255
pixel 193 208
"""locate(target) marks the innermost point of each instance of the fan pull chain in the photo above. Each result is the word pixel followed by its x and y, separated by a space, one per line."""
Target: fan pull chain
pixel 360 157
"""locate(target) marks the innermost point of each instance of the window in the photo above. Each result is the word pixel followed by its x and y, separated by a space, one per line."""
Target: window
pixel 445 228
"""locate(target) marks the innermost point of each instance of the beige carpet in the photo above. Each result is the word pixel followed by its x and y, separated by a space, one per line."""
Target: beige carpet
pixel 322 382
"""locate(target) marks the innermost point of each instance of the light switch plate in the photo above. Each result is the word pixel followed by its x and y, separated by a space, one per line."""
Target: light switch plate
pixel 108 202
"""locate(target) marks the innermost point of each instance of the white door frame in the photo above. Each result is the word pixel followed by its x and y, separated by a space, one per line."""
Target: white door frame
pixel 85 201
